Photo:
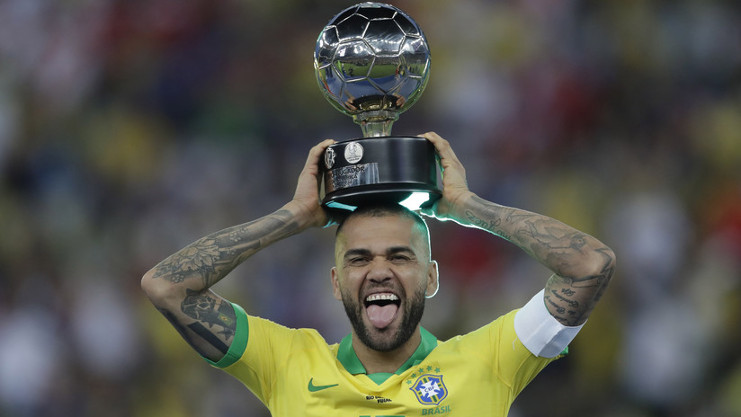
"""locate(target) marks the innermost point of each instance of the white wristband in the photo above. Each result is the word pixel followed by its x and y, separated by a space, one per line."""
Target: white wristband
pixel 540 332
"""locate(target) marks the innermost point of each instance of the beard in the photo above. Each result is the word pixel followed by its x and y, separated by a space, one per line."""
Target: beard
pixel 412 314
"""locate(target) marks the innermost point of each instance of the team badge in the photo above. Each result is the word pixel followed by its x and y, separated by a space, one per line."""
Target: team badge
pixel 429 389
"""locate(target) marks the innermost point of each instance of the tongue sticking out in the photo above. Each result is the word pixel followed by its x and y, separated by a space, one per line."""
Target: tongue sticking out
pixel 381 317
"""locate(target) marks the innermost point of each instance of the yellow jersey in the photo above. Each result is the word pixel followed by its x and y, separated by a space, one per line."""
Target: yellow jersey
pixel 294 372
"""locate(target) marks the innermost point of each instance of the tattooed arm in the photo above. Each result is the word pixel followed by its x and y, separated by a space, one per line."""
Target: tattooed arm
pixel 582 265
pixel 179 285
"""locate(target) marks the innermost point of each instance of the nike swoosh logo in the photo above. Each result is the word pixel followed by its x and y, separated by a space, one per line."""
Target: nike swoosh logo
pixel 315 388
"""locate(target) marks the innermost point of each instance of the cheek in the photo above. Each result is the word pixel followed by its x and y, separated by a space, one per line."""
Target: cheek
pixel 413 280
pixel 346 282
pixel 354 275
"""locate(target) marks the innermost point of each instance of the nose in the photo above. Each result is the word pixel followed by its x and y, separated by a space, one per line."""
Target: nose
pixel 379 271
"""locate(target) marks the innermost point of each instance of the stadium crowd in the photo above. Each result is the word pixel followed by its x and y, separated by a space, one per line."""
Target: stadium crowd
pixel 128 128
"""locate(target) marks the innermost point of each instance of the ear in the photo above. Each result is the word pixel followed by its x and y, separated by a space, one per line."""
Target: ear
pixel 335 283
pixel 433 280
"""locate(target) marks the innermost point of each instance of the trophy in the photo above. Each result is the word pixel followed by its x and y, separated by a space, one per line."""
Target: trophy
pixel 372 62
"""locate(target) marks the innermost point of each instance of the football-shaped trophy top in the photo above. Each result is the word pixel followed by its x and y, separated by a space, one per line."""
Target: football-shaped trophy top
pixel 372 62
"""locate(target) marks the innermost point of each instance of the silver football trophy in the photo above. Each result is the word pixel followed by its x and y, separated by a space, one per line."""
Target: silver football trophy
pixel 372 62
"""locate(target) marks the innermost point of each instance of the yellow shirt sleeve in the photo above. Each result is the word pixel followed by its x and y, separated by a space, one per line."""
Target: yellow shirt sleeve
pixel 256 364
pixel 498 346
pixel 259 350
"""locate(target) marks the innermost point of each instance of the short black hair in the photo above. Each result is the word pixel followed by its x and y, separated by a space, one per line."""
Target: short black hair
pixel 381 210
pixel 388 209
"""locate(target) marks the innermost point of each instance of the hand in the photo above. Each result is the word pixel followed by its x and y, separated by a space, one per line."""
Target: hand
pixel 305 203
pixel 455 188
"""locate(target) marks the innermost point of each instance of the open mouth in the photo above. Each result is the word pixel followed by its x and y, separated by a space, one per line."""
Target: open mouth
pixel 381 308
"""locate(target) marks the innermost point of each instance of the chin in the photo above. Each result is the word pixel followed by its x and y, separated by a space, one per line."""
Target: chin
pixel 385 342
pixel 393 336
pixel 388 335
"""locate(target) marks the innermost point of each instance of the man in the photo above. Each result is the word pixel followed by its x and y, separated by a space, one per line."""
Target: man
pixel 388 365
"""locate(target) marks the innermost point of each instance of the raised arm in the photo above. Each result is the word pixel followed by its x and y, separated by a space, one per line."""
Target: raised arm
pixel 582 265
pixel 179 285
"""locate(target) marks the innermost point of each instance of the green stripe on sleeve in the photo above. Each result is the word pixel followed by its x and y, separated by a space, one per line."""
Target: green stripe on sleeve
pixel 239 344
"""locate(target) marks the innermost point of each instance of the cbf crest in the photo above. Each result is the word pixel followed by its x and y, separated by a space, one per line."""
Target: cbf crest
pixel 430 389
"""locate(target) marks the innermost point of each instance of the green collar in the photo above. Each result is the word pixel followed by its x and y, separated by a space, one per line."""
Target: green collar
pixel 347 357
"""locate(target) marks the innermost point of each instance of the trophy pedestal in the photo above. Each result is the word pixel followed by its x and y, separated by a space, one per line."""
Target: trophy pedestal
pixel 400 169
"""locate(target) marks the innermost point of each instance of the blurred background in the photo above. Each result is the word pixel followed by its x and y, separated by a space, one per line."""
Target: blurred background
pixel 129 128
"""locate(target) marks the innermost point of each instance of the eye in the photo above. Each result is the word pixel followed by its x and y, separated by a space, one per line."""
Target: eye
pixel 357 261
pixel 400 258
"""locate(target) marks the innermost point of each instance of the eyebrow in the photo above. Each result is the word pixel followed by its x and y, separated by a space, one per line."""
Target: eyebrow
pixel 400 249
pixel 365 252
pixel 353 252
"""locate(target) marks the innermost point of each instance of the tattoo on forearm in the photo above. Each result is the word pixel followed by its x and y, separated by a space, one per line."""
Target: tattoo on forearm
pixel 543 235
pixel 212 257
pixel 574 288
pixel 536 234
pixel 490 219
pixel 492 225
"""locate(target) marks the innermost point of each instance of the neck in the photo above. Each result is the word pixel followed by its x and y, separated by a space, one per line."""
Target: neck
pixel 375 361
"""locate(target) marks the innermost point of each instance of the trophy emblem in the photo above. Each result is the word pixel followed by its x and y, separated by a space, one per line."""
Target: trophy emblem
pixel 372 62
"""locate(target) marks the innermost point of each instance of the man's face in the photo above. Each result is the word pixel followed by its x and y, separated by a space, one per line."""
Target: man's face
pixel 383 272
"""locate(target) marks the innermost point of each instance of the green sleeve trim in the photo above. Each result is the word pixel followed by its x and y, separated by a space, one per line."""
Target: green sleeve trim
pixel 239 344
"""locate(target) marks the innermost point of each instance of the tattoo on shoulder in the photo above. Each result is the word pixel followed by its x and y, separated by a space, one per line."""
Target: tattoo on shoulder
pixel 211 338
pixel 196 328
pixel 572 298
pixel 210 311
pixel 175 323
